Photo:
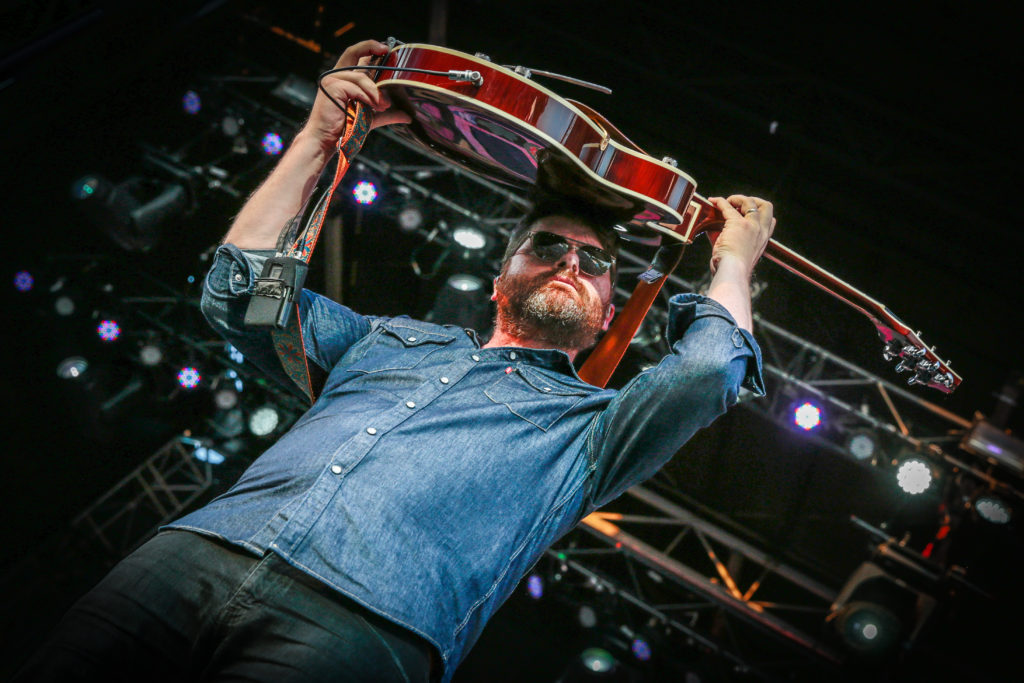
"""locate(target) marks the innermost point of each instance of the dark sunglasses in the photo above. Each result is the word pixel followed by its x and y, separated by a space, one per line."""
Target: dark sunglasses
pixel 549 247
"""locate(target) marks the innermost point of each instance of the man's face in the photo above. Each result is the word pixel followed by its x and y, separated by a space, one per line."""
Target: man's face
pixel 554 302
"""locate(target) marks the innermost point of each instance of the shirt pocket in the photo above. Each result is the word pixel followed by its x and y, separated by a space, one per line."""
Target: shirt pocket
pixel 537 398
pixel 399 347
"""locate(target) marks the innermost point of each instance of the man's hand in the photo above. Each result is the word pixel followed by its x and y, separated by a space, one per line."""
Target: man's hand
pixel 326 121
pixel 748 226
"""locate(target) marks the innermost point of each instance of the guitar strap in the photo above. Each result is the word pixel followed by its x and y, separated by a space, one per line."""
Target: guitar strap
pixel 274 303
pixel 599 366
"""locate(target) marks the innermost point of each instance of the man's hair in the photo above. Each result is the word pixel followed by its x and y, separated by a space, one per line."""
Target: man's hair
pixel 600 221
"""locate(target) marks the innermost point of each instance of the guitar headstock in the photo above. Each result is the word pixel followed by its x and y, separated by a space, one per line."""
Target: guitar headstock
pixel 924 366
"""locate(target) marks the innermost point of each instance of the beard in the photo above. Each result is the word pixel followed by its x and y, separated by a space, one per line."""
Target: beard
pixel 536 309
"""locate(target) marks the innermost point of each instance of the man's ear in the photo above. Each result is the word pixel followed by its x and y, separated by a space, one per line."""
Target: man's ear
pixel 494 290
pixel 608 317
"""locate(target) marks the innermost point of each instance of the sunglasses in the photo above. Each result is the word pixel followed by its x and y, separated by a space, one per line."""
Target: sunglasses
pixel 549 247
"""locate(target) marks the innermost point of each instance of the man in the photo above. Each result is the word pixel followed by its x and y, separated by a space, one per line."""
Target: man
pixel 376 538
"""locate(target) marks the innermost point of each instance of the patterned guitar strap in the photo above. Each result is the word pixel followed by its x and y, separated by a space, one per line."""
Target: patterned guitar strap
pixel 274 303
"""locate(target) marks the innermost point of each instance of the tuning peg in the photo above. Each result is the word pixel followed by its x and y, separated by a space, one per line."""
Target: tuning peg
pixel 891 350
pixel 904 365
pixel 927 367
pixel 913 351
pixel 914 379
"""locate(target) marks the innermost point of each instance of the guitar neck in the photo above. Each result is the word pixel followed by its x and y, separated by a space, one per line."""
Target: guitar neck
pixel 898 338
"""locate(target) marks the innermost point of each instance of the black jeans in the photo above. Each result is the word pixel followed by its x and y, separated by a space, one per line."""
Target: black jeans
pixel 186 608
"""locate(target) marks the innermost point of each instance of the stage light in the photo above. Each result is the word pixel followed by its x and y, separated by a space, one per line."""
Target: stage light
pixel 64 305
pixel 234 354
pixel 23 281
pixel 807 416
pixel 72 367
pixel 191 102
pixel 914 476
pixel 108 330
pixel 189 377
pixel 463 301
pixel 150 354
pixel 264 420
pixel 471 239
pixel 225 396
pixel 410 214
pixel 535 586
pixel 228 424
pixel 992 509
pixel 207 454
pixel 91 188
pixel 272 144
pixel 862 444
pixel 641 649
pixel 598 660
pixel 133 212
pixel 587 616
pixel 874 613
pixel 364 192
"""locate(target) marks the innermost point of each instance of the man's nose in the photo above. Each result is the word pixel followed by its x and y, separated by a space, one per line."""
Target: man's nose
pixel 570 260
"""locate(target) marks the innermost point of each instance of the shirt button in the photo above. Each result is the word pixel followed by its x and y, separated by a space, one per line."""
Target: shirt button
pixel 336 469
pixel 411 338
pixel 410 404
pixel 371 430
pixel 444 380
pixel 512 356
pixel 547 388
pixel 238 277
pixel 475 357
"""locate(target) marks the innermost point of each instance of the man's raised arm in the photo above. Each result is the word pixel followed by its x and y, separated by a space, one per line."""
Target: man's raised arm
pixel 283 194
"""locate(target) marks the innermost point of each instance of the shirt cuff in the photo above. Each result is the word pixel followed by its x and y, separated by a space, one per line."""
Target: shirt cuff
pixel 685 309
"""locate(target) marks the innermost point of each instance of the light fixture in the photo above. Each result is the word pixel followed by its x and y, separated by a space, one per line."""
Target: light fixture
pixel 598 660
pixel 807 415
pixel 23 281
pixel 862 444
pixel 411 213
pixel 151 353
pixel 272 143
pixel 641 649
pixel 108 330
pixel 875 612
pixel 471 239
pixel 995 445
pixel 992 509
pixel 189 377
pixel 914 475
pixel 462 301
pixel 191 102
pixel 72 367
pixel 535 586
pixel 365 192
pixel 264 420
pixel 134 211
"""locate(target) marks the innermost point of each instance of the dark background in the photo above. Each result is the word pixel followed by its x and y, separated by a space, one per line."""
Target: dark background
pixel 888 141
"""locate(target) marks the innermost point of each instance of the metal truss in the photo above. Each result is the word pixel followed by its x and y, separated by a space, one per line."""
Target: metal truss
pixel 705 587
pixel 154 493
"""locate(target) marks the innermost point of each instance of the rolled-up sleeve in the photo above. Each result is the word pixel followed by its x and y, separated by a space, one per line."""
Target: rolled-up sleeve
pixel 328 328
pixel 662 407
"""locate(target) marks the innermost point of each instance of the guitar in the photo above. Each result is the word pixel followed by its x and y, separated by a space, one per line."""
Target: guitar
pixel 495 121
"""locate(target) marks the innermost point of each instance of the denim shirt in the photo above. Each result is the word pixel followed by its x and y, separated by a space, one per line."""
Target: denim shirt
pixel 431 474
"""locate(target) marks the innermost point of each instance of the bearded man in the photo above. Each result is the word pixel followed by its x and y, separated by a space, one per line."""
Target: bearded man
pixel 376 538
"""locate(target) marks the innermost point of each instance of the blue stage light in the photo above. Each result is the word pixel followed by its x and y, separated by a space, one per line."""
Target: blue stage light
pixel 108 330
pixel 272 144
pixel 641 649
pixel 189 378
pixel 205 454
pixel 23 281
pixel 364 192
pixel 191 102
pixel 807 416
pixel 535 586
